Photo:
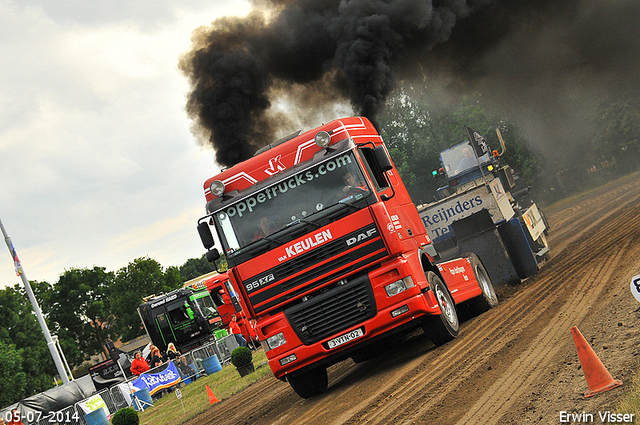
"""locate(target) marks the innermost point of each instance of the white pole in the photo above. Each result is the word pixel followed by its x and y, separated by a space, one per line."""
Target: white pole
pixel 36 308
pixel 64 359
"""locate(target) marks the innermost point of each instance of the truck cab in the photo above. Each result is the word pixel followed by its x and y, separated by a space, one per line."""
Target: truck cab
pixel 227 303
pixel 185 317
pixel 327 252
pixel 460 164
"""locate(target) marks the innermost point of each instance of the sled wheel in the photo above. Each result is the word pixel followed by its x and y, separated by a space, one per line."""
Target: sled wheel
pixel 444 327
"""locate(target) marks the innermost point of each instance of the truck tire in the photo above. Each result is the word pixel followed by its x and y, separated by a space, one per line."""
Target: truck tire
pixel 488 299
pixel 309 383
pixel 444 327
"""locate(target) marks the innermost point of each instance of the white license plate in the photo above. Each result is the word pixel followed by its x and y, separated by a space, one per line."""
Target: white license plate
pixel 343 339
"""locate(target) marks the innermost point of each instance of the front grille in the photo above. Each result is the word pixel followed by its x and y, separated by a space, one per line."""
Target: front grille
pixel 321 265
pixel 333 311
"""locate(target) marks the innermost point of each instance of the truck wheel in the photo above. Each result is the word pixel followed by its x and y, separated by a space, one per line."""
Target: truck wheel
pixel 444 327
pixel 310 383
pixel 488 299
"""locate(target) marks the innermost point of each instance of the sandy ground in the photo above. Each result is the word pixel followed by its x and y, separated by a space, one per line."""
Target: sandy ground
pixel 516 364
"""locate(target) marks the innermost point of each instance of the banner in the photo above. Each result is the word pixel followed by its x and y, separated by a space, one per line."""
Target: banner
pixel 159 380
pixel 94 403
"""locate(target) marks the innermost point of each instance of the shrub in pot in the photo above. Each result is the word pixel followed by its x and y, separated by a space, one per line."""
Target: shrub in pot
pixel 241 358
pixel 126 416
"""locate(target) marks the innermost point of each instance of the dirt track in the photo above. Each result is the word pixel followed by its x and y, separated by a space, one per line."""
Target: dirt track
pixel 516 364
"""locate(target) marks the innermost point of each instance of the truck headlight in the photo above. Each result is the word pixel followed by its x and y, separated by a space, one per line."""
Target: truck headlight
pixel 217 188
pixel 322 139
pixel 399 286
pixel 276 341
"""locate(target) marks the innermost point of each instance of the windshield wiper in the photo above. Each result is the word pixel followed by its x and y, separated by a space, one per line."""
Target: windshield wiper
pixel 306 221
pixel 270 238
pixel 342 202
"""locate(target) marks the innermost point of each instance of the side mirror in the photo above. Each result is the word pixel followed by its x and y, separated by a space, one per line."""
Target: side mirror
pixel 382 159
pixel 212 255
pixel 205 235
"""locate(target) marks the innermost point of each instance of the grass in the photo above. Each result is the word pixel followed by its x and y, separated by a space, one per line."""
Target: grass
pixel 631 401
pixel 169 409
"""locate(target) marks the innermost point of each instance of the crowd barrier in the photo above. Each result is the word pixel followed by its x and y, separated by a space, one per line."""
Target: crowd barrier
pixel 190 366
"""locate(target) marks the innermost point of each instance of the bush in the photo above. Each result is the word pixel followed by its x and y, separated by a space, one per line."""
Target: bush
pixel 126 416
pixel 241 356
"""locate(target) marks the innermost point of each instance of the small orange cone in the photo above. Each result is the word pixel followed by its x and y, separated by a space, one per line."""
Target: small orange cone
pixel 212 397
pixel 597 376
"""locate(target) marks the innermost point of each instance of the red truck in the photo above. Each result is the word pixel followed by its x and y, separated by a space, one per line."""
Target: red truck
pixel 328 253
pixel 226 300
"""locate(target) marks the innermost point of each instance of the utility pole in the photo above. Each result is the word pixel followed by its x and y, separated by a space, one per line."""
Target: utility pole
pixel 36 308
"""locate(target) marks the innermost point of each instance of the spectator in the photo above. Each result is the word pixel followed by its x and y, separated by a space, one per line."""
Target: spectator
pixel 151 348
pixel 139 365
pixel 156 358
pixel 172 353
pixel 235 330
pixel 184 369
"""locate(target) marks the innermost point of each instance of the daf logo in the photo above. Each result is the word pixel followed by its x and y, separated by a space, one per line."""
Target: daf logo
pixel 361 237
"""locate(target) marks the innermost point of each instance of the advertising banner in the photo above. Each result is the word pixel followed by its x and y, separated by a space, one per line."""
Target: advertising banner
pixel 159 380
pixel 94 403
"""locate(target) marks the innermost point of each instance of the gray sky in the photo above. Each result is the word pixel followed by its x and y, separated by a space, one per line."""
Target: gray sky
pixel 97 163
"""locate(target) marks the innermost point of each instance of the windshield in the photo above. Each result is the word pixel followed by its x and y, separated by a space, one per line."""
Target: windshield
pixel 296 198
pixel 460 158
pixel 204 304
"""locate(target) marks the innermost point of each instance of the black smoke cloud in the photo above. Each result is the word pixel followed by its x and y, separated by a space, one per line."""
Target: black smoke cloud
pixel 546 64
pixel 350 48
pixel 540 60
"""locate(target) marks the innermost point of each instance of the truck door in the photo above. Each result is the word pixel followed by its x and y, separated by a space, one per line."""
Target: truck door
pixel 164 328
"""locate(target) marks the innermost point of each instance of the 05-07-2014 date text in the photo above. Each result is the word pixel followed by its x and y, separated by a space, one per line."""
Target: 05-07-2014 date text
pixel 33 417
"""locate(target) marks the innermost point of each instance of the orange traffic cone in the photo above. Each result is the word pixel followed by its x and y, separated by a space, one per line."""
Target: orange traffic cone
pixel 212 397
pixel 597 376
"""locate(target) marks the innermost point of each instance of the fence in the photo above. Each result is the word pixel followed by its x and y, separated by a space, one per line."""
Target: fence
pixel 189 365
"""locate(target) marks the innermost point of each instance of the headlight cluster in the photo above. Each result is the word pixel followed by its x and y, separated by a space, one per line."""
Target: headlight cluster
pixel 276 341
pixel 399 286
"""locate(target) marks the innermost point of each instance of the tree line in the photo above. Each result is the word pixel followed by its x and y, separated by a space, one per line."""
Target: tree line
pixel 84 308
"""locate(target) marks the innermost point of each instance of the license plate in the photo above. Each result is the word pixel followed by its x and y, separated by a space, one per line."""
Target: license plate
pixel 343 339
